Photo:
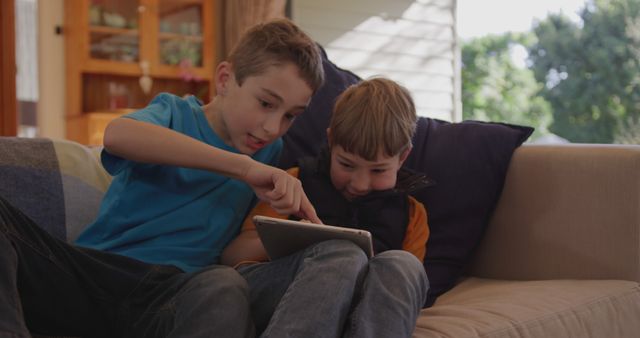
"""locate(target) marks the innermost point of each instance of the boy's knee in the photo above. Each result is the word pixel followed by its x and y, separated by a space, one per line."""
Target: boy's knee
pixel 341 258
pixel 394 266
pixel 402 262
pixel 342 250
pixel 398 258
pixel 218 280
pixel 217 294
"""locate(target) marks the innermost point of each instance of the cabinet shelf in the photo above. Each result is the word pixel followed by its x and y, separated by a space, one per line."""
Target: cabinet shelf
pixel 178 36
pixel 112 44
pixel 106 30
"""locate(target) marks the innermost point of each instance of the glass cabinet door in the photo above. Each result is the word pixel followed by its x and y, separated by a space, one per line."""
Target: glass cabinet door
pixel 114 30
pixel 180 27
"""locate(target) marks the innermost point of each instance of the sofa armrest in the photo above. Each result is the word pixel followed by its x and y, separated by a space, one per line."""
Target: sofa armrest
pixel 566 212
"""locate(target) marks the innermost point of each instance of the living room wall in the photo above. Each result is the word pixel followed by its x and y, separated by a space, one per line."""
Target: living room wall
pixel 51 104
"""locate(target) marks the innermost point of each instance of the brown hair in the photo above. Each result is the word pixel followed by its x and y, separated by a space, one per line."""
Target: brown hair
pixel 274 43
pixel 372 116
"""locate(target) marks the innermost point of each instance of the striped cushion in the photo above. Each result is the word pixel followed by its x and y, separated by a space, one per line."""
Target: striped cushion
pixel 57 183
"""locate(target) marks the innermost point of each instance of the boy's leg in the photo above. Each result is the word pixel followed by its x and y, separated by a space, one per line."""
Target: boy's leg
pixel 11 318
pixel 391 297
pixel 38 281
pixel 59 289
pixel 213 302
pixel 307 294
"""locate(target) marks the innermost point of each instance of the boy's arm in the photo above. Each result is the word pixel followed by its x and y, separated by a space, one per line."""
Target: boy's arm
pixel 248 246
pixel 145 142
pixel 417 234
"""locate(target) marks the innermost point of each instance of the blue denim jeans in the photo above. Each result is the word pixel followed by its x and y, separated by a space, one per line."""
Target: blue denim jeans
pixel 332 290
pixel 48 286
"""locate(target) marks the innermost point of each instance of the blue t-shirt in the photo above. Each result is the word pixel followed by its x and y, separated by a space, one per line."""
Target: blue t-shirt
pixel 166 214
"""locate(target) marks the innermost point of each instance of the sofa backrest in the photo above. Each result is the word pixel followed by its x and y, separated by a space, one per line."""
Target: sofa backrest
pixel 566 212
pixel 57 183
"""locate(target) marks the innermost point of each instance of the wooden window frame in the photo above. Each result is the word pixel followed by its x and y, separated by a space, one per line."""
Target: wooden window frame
pixel 8 101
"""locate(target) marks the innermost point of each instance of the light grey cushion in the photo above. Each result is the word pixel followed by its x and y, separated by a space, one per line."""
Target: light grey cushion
pixel 84 182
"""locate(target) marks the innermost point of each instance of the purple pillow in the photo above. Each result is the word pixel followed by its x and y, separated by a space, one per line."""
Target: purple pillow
pixel 309 131
pixel 468 161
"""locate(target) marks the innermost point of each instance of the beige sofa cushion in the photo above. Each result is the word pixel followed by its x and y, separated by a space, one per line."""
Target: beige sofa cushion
pixel 566 212
pixel 553 308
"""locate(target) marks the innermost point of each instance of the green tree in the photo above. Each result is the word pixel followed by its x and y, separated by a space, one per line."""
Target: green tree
pixel 628 131
pixel 591 71
pixel 495 89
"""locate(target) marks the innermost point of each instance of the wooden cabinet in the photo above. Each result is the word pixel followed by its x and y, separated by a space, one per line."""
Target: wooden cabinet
pixel 121 53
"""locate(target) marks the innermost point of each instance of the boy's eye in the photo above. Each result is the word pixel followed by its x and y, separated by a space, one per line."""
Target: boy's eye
pixel 346 165
pixel 289 117
pixel 378 171
pixel 265 104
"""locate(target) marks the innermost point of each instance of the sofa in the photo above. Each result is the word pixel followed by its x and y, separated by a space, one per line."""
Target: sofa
pixel 560 256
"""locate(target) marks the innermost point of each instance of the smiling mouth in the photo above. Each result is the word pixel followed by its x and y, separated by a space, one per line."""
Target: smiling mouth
pixel 255 143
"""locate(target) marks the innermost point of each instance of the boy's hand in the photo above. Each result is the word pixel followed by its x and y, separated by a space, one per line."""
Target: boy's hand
pixel 282 191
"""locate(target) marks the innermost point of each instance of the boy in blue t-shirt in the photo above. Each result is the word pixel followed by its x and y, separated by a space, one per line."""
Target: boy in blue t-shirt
pixel 185 175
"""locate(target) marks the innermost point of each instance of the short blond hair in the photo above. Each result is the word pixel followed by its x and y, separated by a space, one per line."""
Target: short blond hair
pixel 274 43
pixel 372 116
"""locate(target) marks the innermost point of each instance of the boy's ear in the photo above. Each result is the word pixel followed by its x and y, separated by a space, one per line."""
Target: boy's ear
pixel 224 74
pixel 405 154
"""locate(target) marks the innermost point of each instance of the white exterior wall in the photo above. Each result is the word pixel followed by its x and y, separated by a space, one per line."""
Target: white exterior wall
pixel 412 42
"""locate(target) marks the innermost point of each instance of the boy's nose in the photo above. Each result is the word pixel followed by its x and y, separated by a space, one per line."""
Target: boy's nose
pixel 360 182
pixel 271 125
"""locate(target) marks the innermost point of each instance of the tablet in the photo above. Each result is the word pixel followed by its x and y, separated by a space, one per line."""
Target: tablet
pixel 282 237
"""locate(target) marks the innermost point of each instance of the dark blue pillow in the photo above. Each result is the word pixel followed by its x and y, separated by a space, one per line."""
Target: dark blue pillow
pixel 309 131
pixel 468 161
